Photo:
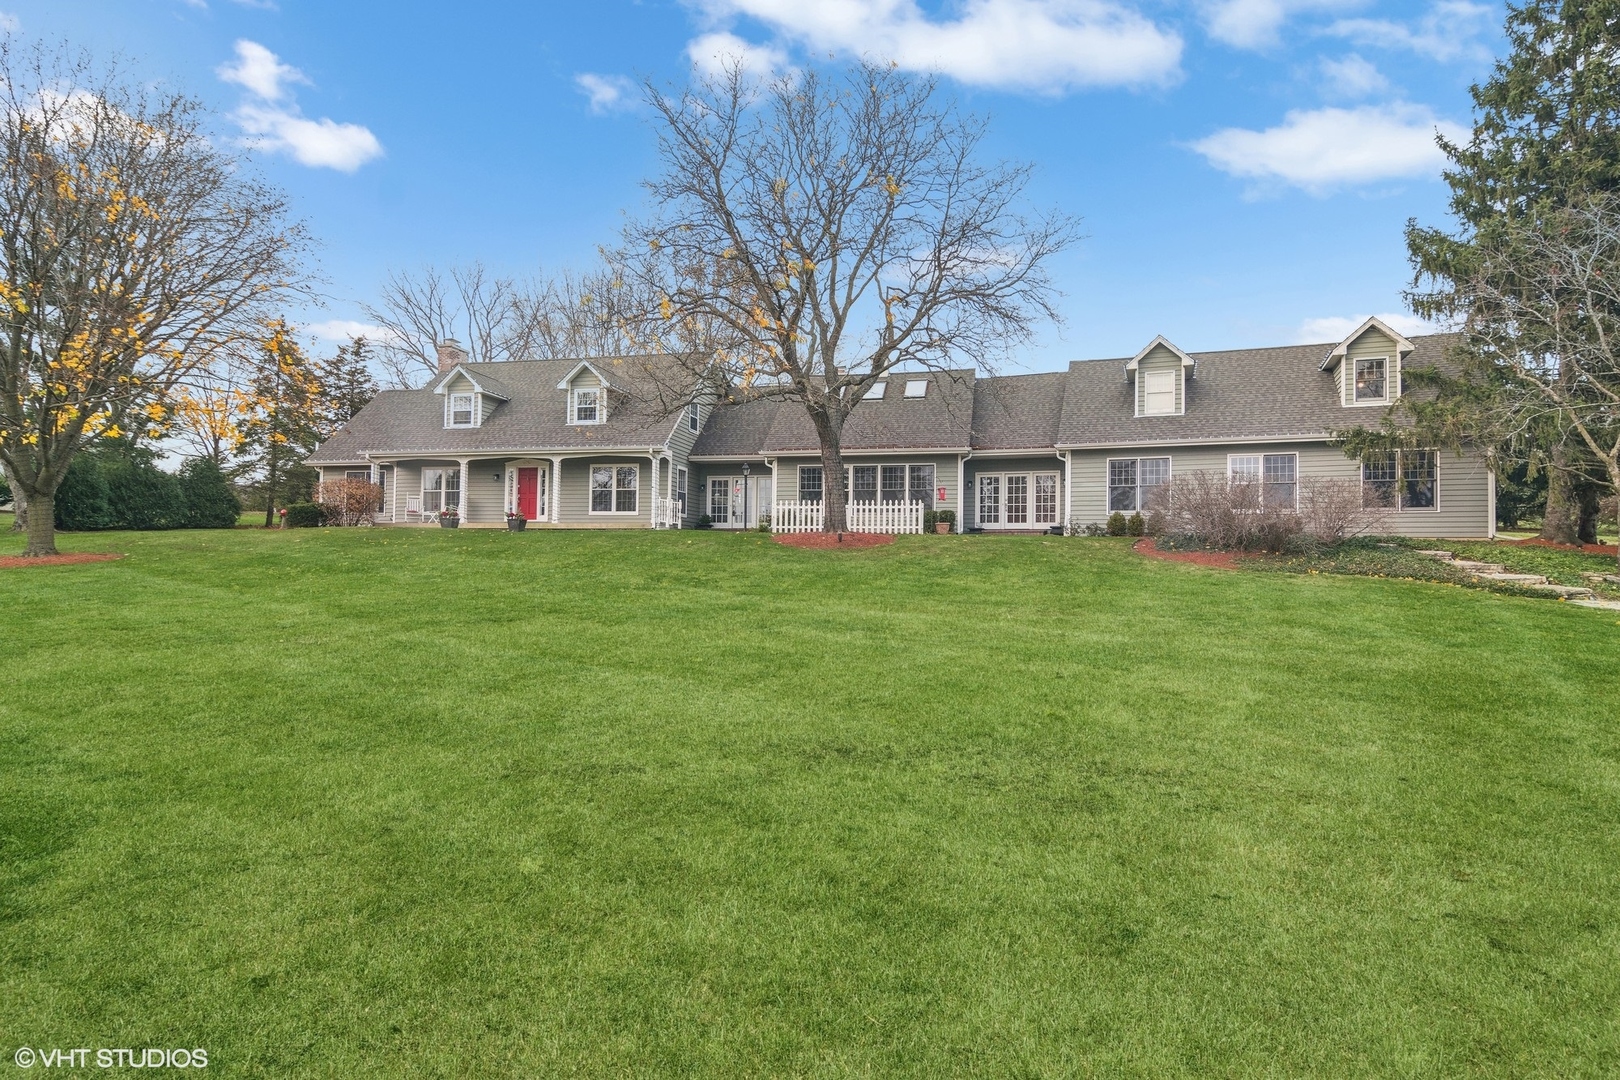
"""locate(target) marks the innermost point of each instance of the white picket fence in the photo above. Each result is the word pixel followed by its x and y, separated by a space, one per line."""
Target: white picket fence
pixel 803 517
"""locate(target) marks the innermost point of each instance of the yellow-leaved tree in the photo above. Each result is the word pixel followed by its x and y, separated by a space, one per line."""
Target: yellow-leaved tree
pixel 134 248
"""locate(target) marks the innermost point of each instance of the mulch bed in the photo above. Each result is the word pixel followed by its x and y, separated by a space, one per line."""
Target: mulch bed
pixel 842 541
pixel 1220 560
pixel 1590 549
pixel 16 562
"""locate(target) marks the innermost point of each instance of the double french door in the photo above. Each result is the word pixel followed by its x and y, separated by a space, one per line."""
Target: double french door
pixel 1018 500
pixel 739 502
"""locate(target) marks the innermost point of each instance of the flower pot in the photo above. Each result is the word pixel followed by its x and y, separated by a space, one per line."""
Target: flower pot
pixel 449 523
pixel 942 527
pixel 516 524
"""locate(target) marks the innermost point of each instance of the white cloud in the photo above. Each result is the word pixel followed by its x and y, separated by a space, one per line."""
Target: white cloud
pixel 1352 77
pixel 712 52
pixel 1043 45
pixel 1335 328
pixel 606 92
pixel 274 122
pixel 1256 24
pixel 9 24
pixel 1448 32
pixel 1324 149
pixel 341 330
pixel 260 71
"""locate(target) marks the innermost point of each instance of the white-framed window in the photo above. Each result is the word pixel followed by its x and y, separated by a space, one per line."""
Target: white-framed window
pixel 1133 481
pixel 876 391
pixel 719 500
pixel 863 483
pixel 461 410
pixel 614 488
pixel 585 406
pixel 441 490
pixel 1015 501
pixel 989 500
pixel 810 483
pixel 1371 375
pixel 1159 393
pixel 916 387
pixel 693 417
pixel 358 474
pixel 677 489
pixel 1404 480
pixel 1275 476
pixel 1046 498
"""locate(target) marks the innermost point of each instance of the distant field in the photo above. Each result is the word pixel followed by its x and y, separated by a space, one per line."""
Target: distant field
pixel 464 803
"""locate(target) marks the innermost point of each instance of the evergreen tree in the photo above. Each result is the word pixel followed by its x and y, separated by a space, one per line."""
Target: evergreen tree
pixel 284 420
pixel 1546 135
pixel 211 502
pixel 81 501
pixel 347 383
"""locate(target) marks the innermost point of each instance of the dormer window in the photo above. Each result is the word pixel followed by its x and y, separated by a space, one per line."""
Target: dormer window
pixel 1372 379
pixel 461 410
pixel 1159 393
pixel 916 387
pixel 585 406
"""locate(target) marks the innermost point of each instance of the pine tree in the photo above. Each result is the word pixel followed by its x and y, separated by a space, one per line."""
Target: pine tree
pixel 1546 135
pixel 347 383
pixel 284 420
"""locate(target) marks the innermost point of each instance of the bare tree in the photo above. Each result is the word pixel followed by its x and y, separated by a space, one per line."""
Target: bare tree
pixel 814 233
pixel 417 310
pixel 1542 329
pixel 133 250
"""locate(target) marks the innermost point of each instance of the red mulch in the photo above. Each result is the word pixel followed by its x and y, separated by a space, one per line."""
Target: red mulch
pixel 842 541
pixel 1220 560
pixel 1590 549
pixel 14 562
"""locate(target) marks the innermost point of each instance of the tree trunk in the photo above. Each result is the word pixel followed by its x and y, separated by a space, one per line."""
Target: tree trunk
pixel 1589 503
pixel 834 497
pixel 1562 522
pixel 19 501
pixel 270 488
pixel 41 525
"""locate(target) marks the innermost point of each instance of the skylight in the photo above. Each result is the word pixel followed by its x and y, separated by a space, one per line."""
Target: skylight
pixel 916 387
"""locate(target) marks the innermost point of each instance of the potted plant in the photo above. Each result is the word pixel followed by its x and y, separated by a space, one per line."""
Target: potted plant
pixel 944 520
pixel 516 522
pixel 449 519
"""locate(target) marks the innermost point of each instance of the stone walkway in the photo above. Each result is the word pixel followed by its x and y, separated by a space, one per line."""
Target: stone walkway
pixel 1535 584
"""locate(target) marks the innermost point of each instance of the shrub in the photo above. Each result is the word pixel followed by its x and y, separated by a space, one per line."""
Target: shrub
pixel 349 502
pixel 305 515
pixel 1331 511
pixel 211 502
pixel 935 517
pixel 764 523
pixel 143 496
pixel 1154 523
pixel 1116 524
pixel 5 491
pixel 1135 526
pixel 81 500
pixel 704 521
pixel 1211 511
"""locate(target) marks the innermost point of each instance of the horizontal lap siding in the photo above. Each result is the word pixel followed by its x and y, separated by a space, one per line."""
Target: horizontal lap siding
pixel 787 473
pixel 1463 496
pixel 573 508
pixel 981 466
pixel 1160 359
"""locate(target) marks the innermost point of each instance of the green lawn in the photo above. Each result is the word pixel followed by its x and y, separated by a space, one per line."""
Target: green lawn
pixel 434 803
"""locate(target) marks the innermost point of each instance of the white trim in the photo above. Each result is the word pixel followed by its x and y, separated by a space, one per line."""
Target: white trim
pixel 1228 440
pixel 599 393
pixel 1400 475
pixel 1029 524
pixel 1490 490
pixel 1348 396
pixel 461 369
pixel 1186 361
pixel 584 365
pixel 473 400
pixel 1262 477
pixel 590 490
pixel 1143 391
pixel 543 492
pixel 1373 322
pixel 1108 485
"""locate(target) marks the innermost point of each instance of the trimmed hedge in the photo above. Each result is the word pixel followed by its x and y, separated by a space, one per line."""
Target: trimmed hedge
pixel 107 490
pixel 305 516
pixel 211 502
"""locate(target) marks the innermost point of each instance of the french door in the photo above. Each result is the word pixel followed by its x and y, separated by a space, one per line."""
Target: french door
pixel 1018 500
pixel 739 502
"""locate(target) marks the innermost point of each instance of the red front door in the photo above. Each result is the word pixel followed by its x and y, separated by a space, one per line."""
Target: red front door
pixel 528 490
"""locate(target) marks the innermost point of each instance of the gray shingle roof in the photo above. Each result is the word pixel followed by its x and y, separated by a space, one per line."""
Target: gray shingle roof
pixel 1237 394
pixel 737 428
pixel 1014 412
pixel 534 418
pixel 940 419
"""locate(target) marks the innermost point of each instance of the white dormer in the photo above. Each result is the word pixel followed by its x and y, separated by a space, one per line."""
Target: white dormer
pixel 469 397
pixel 1366 365
pixel 587 390
pixel 1160 373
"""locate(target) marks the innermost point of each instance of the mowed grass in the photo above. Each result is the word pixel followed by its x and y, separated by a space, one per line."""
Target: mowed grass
pixel 462 803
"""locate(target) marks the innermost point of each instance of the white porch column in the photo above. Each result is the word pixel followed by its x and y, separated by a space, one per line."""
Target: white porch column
pixel 466 483
pixel 554 496
pixel 652 507
pixel 1068 495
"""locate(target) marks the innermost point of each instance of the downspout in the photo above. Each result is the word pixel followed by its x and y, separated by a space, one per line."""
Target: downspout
pixel 770 463
pixel 961 491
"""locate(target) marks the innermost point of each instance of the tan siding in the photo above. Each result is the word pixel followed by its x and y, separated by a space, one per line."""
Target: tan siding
pixel 573 506
pixel 1373 343
pixel 1463 495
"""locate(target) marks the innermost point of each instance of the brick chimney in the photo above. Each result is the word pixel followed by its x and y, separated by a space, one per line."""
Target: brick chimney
pixel 450 354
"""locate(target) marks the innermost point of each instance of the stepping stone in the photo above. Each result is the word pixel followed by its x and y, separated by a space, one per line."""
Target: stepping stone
pixel 1478 567
pixel 1606 605
pixel 1567 592
pixel 1519 579
pixel 1604 579
pixel 1443 556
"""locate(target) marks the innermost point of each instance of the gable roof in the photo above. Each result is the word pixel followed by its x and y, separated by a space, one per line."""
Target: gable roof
pixel 534 417
pixel 482 381
pixel 1135 361
pixel 1373 322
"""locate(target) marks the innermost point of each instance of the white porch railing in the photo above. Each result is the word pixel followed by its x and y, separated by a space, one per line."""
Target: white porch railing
pixel 666 513
pixel 803 517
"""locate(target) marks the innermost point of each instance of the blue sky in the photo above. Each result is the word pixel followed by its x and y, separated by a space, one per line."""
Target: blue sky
pixel 1243 168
